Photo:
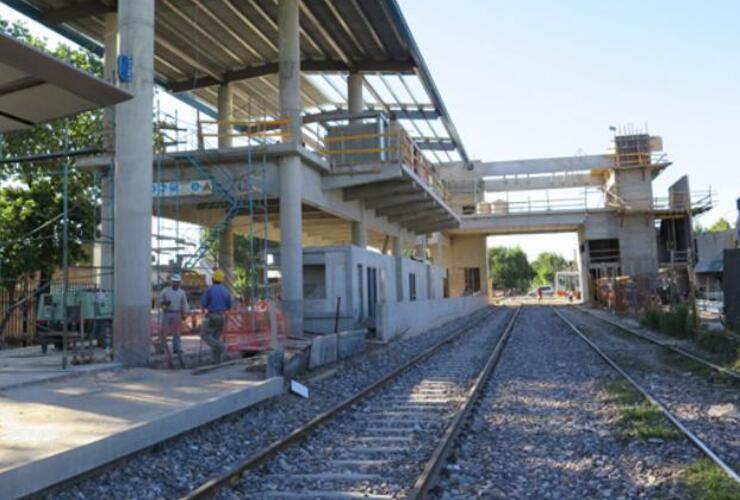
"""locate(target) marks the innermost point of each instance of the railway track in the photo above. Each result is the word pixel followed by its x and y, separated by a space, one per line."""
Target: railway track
pixel 684 427
pixel 731 374
pixel 373 444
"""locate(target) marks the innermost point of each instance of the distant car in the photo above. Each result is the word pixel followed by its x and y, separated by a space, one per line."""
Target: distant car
pixel 547 291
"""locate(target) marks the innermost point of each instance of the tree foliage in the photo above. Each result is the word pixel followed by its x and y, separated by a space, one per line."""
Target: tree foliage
pixel 719 226
pixel 546 265
pixel 31 192
pixel 509 268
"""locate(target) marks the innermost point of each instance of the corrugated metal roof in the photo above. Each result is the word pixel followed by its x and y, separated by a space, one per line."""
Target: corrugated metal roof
pixel 201 43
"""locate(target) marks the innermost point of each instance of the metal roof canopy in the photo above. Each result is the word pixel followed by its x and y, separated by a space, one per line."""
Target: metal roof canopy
pixel 202 43
pixel 36 87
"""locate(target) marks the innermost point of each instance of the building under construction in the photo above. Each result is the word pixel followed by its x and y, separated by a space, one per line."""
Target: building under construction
pixel 322 164
pixel 321 137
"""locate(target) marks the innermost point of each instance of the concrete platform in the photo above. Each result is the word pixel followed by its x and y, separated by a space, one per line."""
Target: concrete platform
pixel 55 430
pixel 27 365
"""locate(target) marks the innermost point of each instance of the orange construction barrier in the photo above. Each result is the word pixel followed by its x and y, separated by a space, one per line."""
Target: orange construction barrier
pixel 246 329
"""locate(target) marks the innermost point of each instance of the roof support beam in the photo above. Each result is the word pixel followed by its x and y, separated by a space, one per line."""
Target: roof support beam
pixel 77 11
pixel 436 145
pixel 307 66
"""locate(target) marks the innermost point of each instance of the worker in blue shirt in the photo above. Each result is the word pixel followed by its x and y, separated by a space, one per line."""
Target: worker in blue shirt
pixel 216 301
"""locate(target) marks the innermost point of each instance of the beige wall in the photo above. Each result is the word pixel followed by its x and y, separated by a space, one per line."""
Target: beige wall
pixel 466 251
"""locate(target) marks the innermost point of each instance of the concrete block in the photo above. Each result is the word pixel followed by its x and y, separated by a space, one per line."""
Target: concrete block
pixel 351 342
pixel 295 363
pixel 323 350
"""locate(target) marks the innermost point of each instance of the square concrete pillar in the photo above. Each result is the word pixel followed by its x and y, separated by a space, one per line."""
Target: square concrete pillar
pixel 291 168
pixel 133 188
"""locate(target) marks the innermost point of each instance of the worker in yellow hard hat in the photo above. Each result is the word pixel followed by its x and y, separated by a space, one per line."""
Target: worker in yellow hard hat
pixel 216 301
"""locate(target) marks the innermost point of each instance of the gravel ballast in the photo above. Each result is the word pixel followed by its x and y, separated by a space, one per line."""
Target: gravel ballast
pixel 547 428
pixel 707 405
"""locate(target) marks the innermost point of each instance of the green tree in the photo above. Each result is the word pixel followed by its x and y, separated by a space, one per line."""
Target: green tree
pixel 546 265
pixel 31 192
pixel 719 226
pixel 509 268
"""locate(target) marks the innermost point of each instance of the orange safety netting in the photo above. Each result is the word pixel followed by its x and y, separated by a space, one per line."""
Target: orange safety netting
pixel 246 329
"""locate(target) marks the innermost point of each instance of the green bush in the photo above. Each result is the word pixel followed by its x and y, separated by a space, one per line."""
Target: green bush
pixel 676 322
pixel 651 318
pixel 718 342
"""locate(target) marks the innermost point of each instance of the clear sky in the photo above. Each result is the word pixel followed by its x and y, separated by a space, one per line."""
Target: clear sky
pixel 534 78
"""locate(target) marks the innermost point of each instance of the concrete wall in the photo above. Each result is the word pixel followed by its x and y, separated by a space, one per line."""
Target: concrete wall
pixel 343 272
pixel 411 318
pixel 467 251
pixel 634 187
pixel 638 246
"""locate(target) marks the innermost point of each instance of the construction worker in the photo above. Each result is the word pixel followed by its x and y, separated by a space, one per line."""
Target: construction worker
pixel 216 301
pixel 174 305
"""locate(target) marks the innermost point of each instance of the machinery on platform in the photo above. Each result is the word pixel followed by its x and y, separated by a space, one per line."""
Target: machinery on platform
pixel 89 318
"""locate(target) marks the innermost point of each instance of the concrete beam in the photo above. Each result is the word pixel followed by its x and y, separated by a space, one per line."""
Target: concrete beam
pixel 555 181
pixel 405 208
pixel 380 190
pixel 361 175
pixel 436 227
pixel 307 65
pixel 395 200
pixel 433 212
pixel 543 165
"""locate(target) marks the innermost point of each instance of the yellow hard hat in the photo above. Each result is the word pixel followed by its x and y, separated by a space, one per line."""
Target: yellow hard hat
pixel 218 276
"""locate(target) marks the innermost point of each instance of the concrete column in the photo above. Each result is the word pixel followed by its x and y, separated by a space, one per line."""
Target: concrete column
pixel 355 105
pixel 103 251
pixel 424 245
pixel 359 230
pixel 291 169
pixel 133 188
pixel 226 253
pixel 355 102
pixel 583 267
pixel 225 112
pixel 398 259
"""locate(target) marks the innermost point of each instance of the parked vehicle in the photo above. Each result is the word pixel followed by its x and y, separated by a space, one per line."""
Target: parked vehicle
pixel 546 291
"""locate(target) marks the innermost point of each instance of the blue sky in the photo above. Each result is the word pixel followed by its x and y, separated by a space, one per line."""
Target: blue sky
pixel 534 78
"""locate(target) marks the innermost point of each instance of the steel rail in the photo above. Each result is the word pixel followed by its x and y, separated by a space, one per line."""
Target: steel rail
pixel 234 474
pixel 433 465
pixel 695 440
pixel 726 371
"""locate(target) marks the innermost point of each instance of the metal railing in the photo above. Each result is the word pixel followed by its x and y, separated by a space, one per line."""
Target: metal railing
pixel 684 201
pixel 598 199
pixel 377 141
